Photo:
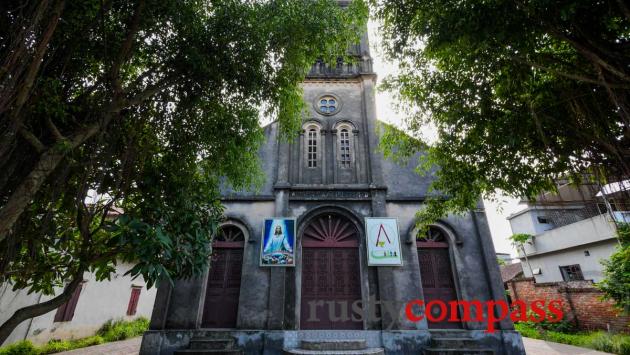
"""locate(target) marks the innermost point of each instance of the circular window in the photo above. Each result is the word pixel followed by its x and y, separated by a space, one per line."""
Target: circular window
pixel 327 105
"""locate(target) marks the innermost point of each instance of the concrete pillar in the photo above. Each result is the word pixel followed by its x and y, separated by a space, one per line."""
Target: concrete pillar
pixel 277 294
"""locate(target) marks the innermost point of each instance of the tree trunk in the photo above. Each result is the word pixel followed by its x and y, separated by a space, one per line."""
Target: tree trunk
pixel 23 195
pixel 39 309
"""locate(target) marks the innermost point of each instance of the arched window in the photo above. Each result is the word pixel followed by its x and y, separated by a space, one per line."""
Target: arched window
pixel 312 148
pixel 344 148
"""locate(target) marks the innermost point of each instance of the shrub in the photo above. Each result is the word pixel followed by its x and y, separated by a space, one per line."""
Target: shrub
pixel 23 347
pixel 120 330
pixel 602 341
pixel 110 331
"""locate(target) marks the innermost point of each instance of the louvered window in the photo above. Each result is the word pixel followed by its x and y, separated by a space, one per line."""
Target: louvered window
pixel 133 301
pixel 65 312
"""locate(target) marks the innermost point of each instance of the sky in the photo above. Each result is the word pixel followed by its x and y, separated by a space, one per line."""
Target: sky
pixel 496 212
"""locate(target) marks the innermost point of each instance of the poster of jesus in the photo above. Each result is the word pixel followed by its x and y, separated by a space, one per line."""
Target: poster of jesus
pixel 278 242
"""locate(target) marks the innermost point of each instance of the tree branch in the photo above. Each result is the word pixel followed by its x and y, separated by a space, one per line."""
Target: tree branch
pixel 570 75
pixel 54 130
pixel 33 68
pixel 32 140
pixel 125 49
pixel 39 309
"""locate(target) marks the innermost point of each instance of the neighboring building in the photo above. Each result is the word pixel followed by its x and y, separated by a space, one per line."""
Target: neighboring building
pixel 573 231
pixel 505 257
pixel 329 180
pixel 89 308
pixel 510 272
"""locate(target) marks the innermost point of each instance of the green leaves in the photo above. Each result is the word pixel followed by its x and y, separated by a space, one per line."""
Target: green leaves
pixel 616 282
pixel 171 100
pixel 516 102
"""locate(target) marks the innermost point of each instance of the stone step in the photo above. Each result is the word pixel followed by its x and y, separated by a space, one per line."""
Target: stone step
pixel 453 343
pixel 212 334
pixel 450 333
pixel 450 351
pixel 208 352
pixel 211 344
pixel 367 351
pixel 336 344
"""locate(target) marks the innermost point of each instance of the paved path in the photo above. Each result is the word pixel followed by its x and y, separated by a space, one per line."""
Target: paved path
pixel 532 347
pixel 123 347
pixel 541 347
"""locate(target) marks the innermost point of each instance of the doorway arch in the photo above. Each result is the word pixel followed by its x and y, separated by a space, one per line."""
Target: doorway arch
pixel 436 272
pixel 330 272
pixel 224 278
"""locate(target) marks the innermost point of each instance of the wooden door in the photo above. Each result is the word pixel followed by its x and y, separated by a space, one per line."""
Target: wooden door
pixel 437 276
pixel 330 274
pixel 224 284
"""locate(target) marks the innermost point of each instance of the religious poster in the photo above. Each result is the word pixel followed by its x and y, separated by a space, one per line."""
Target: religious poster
pixel 278 242
pixel 383 242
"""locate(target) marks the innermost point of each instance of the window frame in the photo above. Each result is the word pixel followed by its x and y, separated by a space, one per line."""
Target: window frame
pixel 567 270
pixel 345 151
pixel 312 140
pixel 327 96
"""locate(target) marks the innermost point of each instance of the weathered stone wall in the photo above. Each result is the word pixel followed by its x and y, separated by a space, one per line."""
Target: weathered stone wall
pixel 582 302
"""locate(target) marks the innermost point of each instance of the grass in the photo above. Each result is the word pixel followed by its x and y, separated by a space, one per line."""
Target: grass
pixel 110 331
pixel 601 341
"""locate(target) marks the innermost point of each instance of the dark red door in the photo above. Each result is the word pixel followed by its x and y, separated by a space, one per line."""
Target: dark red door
pixel 437 277
pixel 224 284
pixel 330 274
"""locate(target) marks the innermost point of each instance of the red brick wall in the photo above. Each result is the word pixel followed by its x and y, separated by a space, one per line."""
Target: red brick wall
pixel 581 302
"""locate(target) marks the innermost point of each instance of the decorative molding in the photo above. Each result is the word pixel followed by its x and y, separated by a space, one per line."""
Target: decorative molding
pixel 312 195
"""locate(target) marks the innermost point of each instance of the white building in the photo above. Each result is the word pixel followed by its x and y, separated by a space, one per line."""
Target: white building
pixel 90 307
pixel 573 231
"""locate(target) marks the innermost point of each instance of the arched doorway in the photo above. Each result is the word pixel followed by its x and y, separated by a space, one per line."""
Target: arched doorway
pixel 330 273
pixel 224 279
pixel 437 275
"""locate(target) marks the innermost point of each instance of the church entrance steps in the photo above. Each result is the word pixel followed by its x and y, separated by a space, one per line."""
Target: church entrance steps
pixel 210 345
pixel 339 344
pixel 455 342
pixel 335 346
pixel 432 351
pixel 368 351
pixel 208 352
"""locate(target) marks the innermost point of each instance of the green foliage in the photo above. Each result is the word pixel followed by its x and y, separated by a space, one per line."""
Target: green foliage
pixel 167 103
pixel 601 341
pixel 616 282
pixel 110 331
pixel 23 347
pixel 519 239
pixel 536 94
pixel 563 326
pixel 120 330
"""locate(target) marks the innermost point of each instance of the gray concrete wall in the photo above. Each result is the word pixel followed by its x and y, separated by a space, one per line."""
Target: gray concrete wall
pixel 591 266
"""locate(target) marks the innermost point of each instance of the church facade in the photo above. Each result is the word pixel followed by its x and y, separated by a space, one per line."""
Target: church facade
pixel 328 181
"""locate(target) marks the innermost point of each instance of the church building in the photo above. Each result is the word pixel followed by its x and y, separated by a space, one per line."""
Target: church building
pixel 324 290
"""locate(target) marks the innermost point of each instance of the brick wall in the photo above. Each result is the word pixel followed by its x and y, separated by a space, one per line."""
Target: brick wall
pixel 581 301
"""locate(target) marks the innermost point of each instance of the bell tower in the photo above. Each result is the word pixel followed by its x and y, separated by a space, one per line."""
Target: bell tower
pixel 337 139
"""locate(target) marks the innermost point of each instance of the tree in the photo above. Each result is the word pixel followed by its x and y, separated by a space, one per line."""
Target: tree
pixel 616 282
pixel 142 108
pixel 539 92
pixel 518 241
